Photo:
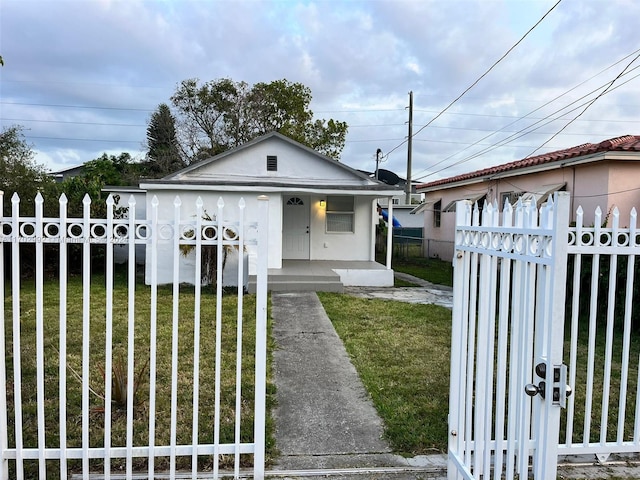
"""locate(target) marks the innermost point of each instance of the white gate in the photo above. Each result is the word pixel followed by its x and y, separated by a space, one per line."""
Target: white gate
pixel 507 336
pixel 69 340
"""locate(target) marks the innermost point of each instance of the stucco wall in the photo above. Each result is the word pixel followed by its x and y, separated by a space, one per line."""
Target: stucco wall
pixel 231 212
pixel 293 163
pixel 342 246
pixel 602 184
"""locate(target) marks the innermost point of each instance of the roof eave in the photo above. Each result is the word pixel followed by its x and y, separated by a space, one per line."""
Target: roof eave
pixel 371 190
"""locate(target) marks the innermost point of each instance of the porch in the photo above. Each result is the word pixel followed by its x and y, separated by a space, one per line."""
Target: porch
pixel 325 276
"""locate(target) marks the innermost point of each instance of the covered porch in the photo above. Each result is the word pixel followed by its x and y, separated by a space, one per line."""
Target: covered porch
pixel 325 275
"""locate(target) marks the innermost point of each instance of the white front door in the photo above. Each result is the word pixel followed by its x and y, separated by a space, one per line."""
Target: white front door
pixel 295 228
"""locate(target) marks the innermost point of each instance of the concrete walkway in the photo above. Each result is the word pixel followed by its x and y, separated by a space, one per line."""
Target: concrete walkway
pixel 324 416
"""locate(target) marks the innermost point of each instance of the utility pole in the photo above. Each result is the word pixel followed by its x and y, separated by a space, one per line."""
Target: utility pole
pixel 409 142
pixel 378 153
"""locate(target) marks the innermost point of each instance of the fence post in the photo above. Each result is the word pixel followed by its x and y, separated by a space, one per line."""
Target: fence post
pixel 4 464
pixel 459 314
pixel 261 336
pixel 549 424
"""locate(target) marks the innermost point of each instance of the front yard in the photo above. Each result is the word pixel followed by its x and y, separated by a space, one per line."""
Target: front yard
pixel 164 387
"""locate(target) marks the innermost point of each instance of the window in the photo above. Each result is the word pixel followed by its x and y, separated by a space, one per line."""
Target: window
pixel 510 197
pixel 340 213
pixel 396 201
pixel 272 163
pixel 437 213
pixel 295 201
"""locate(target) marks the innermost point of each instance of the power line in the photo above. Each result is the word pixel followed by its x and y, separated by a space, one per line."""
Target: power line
pixel 525 131
pixel 481 76
pixel 73 123
pixel 608 88
pixel 82 139
pixel 77 106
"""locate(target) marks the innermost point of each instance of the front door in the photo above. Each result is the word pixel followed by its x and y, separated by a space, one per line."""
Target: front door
pixel 295 228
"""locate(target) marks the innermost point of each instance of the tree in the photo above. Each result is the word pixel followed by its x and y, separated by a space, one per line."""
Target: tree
pixel 164 155
pixel 223 114
pixel 202 110
pixel 19 172
pixel 96 174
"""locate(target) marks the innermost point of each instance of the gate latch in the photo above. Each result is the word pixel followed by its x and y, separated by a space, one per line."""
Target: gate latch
pixel 559 388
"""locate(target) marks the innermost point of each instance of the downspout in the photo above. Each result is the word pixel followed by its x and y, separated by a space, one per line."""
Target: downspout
pixel 389 232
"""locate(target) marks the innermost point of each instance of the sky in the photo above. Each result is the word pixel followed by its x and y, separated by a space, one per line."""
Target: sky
pixel 82 77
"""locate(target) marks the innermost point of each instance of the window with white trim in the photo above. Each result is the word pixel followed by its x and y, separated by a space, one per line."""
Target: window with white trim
pixel 340 214
pixel 437 213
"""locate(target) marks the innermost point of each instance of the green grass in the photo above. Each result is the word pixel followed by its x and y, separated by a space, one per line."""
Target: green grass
pixel 401 352
pixel 164 387
pixel 430 269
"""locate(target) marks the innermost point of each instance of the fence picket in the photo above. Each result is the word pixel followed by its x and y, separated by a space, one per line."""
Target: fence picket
pixel 177 203
pixel 626 342
pixel 62 348
pixel 86 329
pixel 197 281
pixel 131 324
pixel 239 324
pixel 153 327
pixel 17 373
pixel 108 362
pixel 42 466
pixel 4 434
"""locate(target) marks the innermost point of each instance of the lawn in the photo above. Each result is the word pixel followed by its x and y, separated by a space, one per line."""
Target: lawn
pixel 164 387
pixel 401 352
pixel 431 269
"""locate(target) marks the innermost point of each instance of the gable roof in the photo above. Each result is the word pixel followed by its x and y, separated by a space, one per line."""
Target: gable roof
pixel 626 143
pixel 214 171
pixel 249 144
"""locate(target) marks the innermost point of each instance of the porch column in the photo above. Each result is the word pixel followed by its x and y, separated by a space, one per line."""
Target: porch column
pixel 389 232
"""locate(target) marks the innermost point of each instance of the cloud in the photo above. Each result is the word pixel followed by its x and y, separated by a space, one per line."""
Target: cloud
pixel 84 76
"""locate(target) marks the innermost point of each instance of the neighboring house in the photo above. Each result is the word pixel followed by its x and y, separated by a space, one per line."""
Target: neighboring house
pixel 604 175
pixel 62 175
pixel 320 210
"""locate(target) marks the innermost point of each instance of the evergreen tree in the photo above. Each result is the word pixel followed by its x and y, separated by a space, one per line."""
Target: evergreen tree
pixel 164 155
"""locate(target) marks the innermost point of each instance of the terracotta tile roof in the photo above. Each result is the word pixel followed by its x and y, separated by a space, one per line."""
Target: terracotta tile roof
pixel 627 143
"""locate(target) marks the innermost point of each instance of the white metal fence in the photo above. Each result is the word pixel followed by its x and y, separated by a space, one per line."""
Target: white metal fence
pixel 69 343
pixel 531 294
pixel 602 343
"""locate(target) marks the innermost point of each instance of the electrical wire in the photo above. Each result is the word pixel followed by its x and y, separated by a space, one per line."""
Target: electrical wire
pixel 532 112
pixel 525 131
pixel 479 78
pixel 589 105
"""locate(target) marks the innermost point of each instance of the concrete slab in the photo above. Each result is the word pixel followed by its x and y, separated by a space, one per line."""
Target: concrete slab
pixel 322 406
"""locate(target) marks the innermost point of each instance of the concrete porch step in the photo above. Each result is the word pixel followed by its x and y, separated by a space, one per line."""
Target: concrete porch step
pixel 300 283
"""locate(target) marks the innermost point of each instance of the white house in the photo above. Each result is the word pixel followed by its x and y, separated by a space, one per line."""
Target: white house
pixel 322 213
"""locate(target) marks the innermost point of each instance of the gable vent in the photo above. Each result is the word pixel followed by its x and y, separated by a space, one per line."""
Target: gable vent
pixel 272 163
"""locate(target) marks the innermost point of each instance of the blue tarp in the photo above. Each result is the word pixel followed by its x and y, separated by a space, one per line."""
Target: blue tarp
pixel 385 215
